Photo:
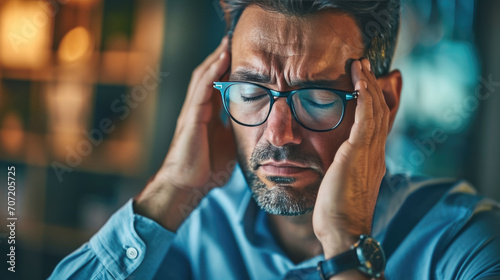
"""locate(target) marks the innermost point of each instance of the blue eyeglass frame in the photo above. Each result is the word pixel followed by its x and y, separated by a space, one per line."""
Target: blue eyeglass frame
pixel 274 94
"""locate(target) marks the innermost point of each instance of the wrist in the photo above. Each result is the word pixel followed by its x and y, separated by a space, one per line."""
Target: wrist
pixel 166 204
pixel 337 242
pixel 365 258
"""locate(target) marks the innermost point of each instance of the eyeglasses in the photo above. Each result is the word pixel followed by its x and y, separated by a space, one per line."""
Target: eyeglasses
pixel 317 109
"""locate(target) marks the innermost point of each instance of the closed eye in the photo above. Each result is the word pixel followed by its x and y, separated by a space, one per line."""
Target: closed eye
pixel 318 105
pixel 253 98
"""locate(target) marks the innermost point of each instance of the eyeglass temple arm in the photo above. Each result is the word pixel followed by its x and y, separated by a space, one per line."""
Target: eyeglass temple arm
pixel 352 96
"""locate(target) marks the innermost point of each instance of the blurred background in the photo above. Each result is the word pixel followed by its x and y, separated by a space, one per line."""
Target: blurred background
pixel 90 91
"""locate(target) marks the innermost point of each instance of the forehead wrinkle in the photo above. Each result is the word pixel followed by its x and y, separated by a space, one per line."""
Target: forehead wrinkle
pixel 263 63
pixel 279 46
pixel 259 68
pixel 249 74
pixel 294 75
pixel 256 68
pixel 278 34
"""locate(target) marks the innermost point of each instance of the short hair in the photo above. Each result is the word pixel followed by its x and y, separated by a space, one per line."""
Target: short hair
pixel 378 21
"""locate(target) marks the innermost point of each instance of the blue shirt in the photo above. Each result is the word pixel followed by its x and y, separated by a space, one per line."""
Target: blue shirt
pixel 429 229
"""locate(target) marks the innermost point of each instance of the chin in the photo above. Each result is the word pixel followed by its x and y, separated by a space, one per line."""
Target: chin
pixel 283 198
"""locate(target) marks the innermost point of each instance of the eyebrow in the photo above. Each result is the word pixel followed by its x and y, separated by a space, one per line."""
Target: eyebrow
pixel 246 75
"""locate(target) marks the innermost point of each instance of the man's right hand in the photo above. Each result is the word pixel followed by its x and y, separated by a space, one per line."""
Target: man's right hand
pixel 201 147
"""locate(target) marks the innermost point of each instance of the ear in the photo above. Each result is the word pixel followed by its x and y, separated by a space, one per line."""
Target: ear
pixel 391 85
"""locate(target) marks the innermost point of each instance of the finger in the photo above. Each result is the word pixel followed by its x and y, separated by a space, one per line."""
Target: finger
pixel 200 70
pixel 364 124
pixel 377 96
pixel 372 85
pixel 372 80
pixel 367 70
pixel 360 81
pixel 381 109
pixel 201 90
pixel 219 106
pixel 213 73
pixel 357 74
pixel 379 133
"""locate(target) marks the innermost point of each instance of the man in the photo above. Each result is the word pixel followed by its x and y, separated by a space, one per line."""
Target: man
pixel 320 148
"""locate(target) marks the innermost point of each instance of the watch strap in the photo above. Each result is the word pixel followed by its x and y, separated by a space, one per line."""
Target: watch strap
pixel 340 263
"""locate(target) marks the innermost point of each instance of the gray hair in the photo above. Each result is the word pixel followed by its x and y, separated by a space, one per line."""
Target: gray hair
pixel 378 21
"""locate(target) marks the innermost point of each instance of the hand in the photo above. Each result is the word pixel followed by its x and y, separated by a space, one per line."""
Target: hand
pixel 348 193
pixel 201 147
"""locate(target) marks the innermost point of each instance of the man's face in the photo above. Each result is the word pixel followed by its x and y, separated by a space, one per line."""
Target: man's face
pixel 283 162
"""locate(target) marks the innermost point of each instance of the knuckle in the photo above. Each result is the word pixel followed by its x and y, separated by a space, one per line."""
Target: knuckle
pixel 214 67
pixel 196 72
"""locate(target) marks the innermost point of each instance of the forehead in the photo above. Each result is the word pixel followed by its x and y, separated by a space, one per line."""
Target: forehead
pixel 312 47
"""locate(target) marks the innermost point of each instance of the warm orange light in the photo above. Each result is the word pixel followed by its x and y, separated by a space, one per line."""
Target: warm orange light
pixel 68 104
pixel 24 34
pixel 75 45
pixel 12 133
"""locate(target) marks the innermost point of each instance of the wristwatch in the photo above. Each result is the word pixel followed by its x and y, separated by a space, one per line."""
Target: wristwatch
pixel 366 255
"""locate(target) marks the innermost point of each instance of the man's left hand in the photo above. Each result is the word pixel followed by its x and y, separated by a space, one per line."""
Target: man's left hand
pixel 349 190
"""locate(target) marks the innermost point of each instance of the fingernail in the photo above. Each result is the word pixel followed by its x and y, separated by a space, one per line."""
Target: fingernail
pixel 369 66
pixel 222 55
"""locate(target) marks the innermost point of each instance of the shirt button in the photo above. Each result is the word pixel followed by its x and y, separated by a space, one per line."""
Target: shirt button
pixel 132 253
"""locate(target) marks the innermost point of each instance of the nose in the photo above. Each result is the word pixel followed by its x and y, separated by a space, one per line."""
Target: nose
pixel 282 129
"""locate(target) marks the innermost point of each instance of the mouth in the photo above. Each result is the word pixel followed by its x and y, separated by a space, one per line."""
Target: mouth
pixel 283 168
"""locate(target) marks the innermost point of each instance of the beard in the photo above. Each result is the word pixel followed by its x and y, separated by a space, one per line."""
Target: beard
pixel 281 198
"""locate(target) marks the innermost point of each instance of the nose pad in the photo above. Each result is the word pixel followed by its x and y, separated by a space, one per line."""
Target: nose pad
pixel 281 126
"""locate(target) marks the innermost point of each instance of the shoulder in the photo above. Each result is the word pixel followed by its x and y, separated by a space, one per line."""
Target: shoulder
pixel 438 227
pixel 405 199
pixel 473 251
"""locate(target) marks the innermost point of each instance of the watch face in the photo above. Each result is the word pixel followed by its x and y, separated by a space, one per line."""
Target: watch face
pixel 371 256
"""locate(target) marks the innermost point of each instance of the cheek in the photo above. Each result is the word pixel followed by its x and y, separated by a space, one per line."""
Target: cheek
pixel 327 144
pixel 247 139
pixel 348 120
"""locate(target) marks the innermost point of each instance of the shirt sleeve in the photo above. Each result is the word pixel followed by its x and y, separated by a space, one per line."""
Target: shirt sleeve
pixel 475 252
pixel 127 246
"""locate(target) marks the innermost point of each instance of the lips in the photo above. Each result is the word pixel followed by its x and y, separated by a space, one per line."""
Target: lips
pixel 283 168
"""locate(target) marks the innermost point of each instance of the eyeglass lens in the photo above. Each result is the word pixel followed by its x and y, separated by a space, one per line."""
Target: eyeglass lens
pixel 316 109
